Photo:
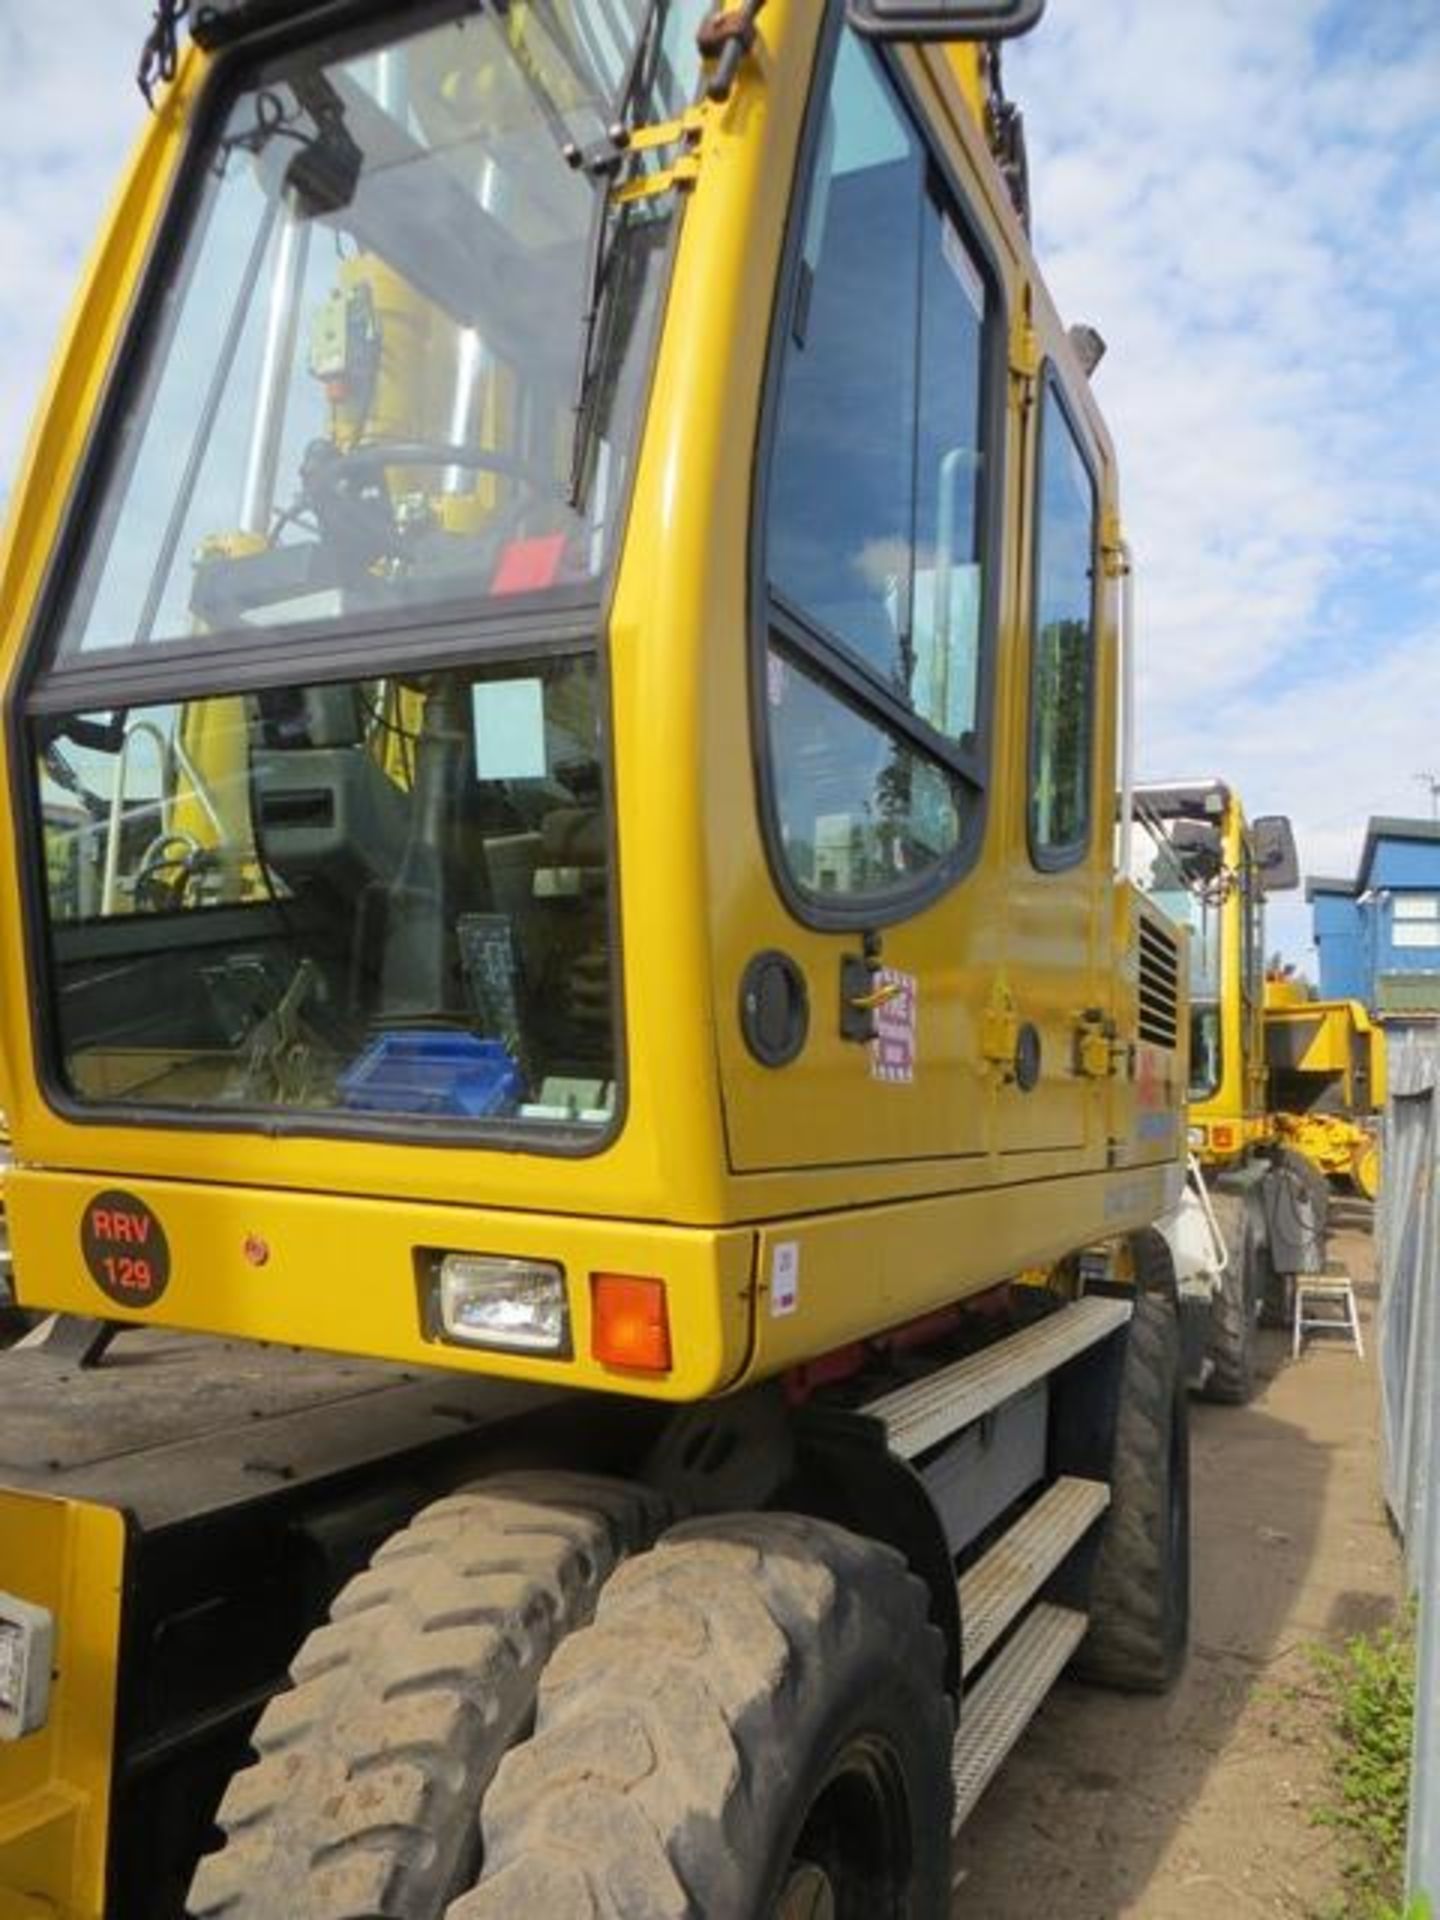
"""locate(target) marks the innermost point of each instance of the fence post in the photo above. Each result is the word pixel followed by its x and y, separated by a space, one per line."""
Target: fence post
pixel 1422 1861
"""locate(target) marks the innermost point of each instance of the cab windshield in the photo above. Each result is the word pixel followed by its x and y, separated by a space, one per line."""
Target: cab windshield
pixel 399 360
pixel 380 415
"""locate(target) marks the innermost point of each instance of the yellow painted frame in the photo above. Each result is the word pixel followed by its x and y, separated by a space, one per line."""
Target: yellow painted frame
pixel 55 1783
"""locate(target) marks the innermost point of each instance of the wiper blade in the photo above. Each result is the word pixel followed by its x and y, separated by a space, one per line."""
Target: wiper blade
pixel 603 162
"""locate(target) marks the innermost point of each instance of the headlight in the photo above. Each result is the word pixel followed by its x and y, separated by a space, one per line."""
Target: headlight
pixel 1196 1138
pixel 517 1305
pixel 27 1642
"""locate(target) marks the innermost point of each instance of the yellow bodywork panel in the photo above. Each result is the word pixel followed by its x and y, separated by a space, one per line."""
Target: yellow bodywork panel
pixel 709 1145
pixel 1233 1117
pixel 350 1276
pixel 827 1281
pixel 55 1783
pixel 1334 1040
pixel 1327 1081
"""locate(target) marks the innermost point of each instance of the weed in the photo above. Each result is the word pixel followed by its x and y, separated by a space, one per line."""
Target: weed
pixel 1370 1685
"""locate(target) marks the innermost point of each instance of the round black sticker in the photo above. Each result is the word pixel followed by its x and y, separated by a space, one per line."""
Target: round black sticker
pixel 125 1249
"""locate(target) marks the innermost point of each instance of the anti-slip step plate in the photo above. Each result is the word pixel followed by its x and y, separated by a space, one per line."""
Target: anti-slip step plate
pixel 997 1711
pixel 924 1413
pixel 999 1587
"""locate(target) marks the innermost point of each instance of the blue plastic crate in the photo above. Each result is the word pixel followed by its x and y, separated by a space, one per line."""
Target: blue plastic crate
pixel 419 1070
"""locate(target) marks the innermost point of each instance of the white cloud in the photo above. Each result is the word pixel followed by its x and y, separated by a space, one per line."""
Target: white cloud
pixel 1243 199
pixel 71 112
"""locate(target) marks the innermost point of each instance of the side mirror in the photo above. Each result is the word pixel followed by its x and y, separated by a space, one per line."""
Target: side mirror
pixel 1273 841
pixel 1198 848
pixel 943 19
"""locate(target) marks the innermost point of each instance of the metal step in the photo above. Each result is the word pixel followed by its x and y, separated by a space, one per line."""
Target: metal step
pixel 1000 1585
pixel 996 1713
pixel 922 1414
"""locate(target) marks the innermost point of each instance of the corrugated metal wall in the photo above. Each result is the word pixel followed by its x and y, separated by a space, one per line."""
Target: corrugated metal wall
pixel 1408 1229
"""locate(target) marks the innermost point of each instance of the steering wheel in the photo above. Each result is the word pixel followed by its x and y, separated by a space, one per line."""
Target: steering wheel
pixel 374 456
pixel 355 511
pixel 187 857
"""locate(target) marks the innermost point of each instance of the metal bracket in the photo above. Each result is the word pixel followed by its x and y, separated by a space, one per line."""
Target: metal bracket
pixel 860 997
pixel 1097 1055
pixel 684 134
pixel 1114 554
pixel 69 1339
pixel 1024 353
pixel 1000 1032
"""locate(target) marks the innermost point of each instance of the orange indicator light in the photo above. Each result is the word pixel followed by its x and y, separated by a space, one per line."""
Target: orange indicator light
pixel 631 1323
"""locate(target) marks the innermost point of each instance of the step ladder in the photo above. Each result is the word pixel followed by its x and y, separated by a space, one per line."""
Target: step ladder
pixel 1326 1292
pixel 930 1410
pixel 1002 1693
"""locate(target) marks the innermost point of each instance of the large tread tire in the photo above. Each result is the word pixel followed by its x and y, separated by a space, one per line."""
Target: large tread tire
pixel 365 1794
pixel 1234 1318
pixel 1140 1585
pixel 683 1739
pixel 1312 1179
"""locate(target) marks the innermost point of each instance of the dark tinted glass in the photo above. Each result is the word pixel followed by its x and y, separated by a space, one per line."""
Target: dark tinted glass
pixel 859 811
pixel 1063 684
pixel 842 477
pixel 383 897
pixel 949 477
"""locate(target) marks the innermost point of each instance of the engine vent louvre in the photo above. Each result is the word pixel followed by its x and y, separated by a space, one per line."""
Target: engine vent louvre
pixel 1159 985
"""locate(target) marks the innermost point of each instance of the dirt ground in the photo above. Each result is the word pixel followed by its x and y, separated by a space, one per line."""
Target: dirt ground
pixel 1197 1806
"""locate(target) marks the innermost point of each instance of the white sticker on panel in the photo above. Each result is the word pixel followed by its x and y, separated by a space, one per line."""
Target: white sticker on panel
pixel 509 729
pixel 892 1051
pixel 784 1278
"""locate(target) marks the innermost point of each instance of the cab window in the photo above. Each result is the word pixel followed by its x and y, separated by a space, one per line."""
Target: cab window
pixel 875 513
pixel 1062 685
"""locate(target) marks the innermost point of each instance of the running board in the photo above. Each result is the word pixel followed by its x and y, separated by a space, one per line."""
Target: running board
pixel 996 1713
pixel 1001 1584
pixel 926 1412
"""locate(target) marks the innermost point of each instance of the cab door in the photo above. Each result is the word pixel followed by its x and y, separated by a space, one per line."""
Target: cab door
pixel 1060 896
pixel 862 939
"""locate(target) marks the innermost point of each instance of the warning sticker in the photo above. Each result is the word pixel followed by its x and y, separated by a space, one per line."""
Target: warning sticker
pixel 892 1051
pixel 785 1278
pixel 125 1249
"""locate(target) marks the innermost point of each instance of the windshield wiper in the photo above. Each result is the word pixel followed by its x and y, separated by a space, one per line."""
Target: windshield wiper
pixel 603 162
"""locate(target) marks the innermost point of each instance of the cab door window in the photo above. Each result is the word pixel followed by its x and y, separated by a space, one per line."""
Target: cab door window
pixel 875 515
pixel 1062 685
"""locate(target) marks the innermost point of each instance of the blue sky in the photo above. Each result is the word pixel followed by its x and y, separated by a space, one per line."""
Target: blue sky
pixel 1244 197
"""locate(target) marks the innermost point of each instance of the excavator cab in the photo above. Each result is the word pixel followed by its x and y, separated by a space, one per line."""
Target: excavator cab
pixel 563 643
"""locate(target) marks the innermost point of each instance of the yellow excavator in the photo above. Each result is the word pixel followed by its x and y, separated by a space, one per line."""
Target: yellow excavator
pixel 589 1100
pixel 1212 870
pixel 1326 1063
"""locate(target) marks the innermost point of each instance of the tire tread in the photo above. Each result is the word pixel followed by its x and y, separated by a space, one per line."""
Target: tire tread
pixel 368 1769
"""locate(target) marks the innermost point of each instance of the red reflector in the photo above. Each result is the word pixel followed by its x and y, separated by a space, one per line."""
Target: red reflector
pixel 631 1323
pixel 526 566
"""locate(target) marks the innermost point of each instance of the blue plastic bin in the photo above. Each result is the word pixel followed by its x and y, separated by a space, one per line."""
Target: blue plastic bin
pixel 419 1070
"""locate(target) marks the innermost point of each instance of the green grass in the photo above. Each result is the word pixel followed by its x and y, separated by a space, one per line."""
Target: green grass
pixel 1370 1689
